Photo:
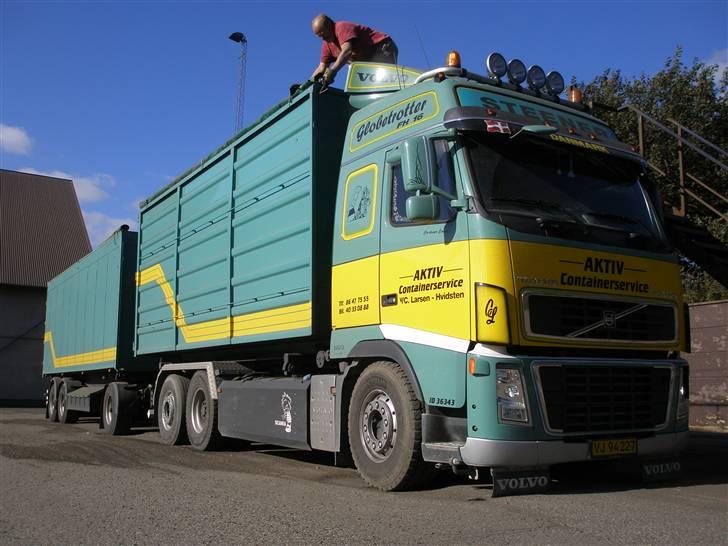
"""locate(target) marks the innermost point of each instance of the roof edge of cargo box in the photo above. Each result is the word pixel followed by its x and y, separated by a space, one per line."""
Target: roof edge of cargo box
pixel 304 89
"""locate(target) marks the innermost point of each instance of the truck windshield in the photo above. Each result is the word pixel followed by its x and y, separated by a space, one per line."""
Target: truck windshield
pixel 563 191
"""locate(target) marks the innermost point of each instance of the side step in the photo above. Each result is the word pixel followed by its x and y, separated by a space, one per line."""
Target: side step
pixel 442 452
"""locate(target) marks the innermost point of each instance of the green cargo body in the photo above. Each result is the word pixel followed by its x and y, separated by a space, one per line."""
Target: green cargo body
pixel 90 311
pixel 238 249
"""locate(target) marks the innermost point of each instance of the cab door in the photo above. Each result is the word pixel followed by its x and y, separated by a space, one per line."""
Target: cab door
pixel 355 271
pixel 424 266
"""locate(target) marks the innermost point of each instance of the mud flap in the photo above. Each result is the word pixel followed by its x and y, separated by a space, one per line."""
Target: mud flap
pixel 507 482
pixel 660 470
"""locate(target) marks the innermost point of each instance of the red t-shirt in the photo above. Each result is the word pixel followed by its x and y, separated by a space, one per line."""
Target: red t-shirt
pixel 363 41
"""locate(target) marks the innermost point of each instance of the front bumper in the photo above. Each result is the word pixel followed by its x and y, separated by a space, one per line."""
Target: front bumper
pixel 501 453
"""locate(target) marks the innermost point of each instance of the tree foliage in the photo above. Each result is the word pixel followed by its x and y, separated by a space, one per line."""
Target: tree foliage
pixel 695 96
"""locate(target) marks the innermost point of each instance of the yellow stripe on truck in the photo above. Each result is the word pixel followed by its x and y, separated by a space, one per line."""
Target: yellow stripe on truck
pixel 80 359
pixel 280 319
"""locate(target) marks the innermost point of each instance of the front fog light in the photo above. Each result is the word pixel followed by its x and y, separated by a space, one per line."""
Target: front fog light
pixel 511 396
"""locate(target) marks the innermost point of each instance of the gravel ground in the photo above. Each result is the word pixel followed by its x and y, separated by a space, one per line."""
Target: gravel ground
pixel 72 484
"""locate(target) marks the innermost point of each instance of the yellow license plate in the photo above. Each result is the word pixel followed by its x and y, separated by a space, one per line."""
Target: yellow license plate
pixel 614 447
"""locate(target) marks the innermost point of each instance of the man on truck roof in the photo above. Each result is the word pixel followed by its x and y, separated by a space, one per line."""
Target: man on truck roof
pixel 344 42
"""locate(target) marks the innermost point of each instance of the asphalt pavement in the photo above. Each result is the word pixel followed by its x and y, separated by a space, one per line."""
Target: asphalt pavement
pixel 73 484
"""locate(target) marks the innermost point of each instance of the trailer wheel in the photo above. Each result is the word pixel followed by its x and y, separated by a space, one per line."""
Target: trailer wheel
pixel 171 410
pixel 115 409
pixel 65 415
pixel 52 404
pixel 202 415
pixel 385 434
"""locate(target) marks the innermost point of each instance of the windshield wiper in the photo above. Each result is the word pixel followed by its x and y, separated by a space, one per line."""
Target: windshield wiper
pixel 612 216
pixel 550 207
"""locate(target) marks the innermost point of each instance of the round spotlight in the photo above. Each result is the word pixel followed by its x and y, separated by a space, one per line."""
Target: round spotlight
pixel 516 71
pixel 554 83
pixel 496 64
pixel 536 77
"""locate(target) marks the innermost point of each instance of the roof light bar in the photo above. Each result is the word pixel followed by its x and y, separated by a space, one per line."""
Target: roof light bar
pixel 536 77
pixel 496 64
pixel 554 83
pixel 516 72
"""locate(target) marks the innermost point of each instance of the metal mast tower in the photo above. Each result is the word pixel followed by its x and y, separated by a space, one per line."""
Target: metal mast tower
pixel 240 38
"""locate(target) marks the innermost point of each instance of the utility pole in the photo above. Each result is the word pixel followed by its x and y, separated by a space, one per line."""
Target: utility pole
pixel 239 103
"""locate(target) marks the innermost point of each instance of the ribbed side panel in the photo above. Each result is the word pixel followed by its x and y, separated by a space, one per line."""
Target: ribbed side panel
pixel 225 256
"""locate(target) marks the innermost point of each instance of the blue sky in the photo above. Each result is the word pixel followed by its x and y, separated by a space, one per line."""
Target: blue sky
pixel 124 96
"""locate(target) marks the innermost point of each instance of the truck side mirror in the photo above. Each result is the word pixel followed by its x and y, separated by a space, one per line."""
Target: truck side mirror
pixel 417 168
pixel 423 206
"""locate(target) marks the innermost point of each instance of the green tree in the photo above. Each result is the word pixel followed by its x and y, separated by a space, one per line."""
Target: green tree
pixel 695 96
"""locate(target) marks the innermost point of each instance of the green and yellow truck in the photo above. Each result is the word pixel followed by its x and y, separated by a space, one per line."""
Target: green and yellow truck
pixel 438 269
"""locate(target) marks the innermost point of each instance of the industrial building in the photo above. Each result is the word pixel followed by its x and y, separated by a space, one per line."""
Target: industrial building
pixel 41 234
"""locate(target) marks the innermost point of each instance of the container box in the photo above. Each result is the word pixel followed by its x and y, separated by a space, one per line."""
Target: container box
pixel 238 249
pixel 90 311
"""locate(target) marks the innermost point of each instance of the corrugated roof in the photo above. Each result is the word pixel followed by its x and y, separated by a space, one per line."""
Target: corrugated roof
pixel 41 228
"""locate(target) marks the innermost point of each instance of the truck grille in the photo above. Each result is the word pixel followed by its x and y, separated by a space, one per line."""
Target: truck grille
pixel 581 318
pixel 588 398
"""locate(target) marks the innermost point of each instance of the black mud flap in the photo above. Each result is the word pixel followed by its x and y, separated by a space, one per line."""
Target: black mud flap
pixel 508 482
pixel 660 470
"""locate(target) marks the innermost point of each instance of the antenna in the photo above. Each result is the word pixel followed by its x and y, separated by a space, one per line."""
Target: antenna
pixel 422 46
pixel 239 103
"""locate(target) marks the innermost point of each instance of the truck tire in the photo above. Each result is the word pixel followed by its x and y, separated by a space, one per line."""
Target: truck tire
pixel 65 415
pixel 171 410
pixel 115 409
pixel 202 415
pixel 52 404
pixel 385 429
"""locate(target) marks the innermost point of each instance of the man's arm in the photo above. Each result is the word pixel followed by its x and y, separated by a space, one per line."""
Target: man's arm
pixel 320 69
pixel 343 58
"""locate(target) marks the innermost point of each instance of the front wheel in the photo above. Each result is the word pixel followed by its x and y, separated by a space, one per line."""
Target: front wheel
pixel 385 429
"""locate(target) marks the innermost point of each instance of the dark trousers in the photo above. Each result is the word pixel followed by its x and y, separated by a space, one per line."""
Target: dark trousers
pixel 385 52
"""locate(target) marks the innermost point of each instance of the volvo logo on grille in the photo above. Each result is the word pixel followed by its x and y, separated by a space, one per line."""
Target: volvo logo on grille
pixel 610 319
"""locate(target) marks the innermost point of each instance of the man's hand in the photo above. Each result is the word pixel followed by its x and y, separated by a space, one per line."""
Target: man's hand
pixel 328 76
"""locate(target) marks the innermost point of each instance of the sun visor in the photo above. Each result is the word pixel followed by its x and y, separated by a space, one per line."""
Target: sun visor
pixel 379 77
pixel 472 118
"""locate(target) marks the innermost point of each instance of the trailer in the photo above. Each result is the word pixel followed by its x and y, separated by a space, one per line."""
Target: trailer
pixel 422 270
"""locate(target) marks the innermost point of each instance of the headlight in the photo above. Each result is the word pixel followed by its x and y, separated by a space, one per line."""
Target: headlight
pixel 683 396
pixel 511 396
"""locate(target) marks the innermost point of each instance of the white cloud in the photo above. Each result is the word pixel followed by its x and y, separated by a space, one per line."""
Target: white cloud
pixel 720 58
pixel 89 189
pixel 14 140
pixel 100 225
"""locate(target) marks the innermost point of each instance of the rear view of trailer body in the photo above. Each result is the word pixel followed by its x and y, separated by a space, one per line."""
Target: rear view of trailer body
pixel 238 250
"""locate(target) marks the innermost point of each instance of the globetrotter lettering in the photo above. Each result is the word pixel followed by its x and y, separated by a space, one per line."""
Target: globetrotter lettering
pixel 435 289
pixel 385 120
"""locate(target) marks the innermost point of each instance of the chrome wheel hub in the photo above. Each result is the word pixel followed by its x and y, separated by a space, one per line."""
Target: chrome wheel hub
pixel 378 425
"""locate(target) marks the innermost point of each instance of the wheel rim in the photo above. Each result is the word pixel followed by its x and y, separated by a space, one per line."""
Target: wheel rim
pixel 198 413
pixel 378 425
pixel 62 400
pixel 169 410
pixel 108 410
pixel 52 400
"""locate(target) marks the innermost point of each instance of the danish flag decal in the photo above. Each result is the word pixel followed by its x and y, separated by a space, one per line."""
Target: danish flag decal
pixel 495 126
